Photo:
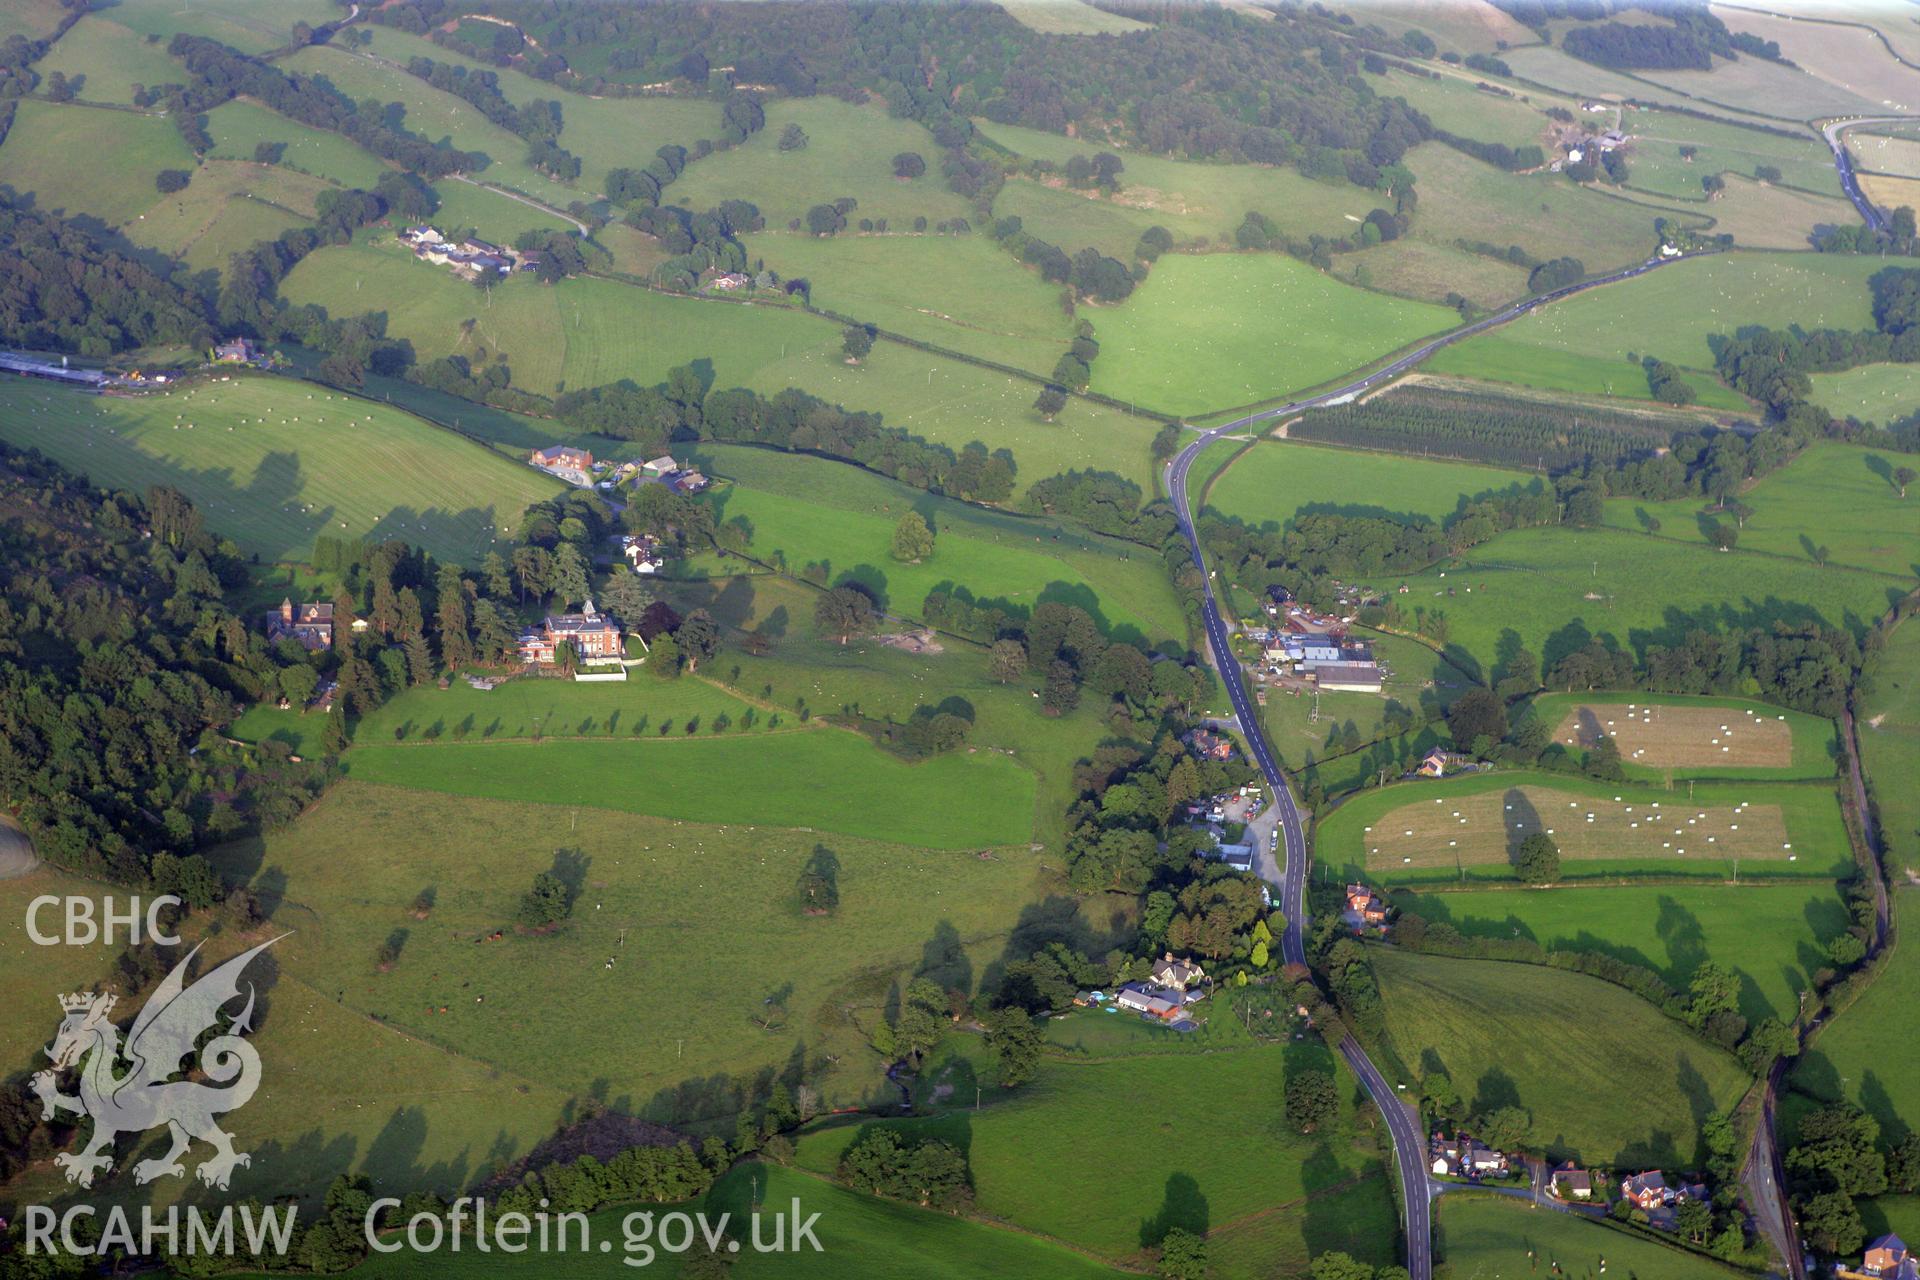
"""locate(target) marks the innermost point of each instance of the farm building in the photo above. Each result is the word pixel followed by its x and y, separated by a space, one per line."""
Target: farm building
pixel 236 351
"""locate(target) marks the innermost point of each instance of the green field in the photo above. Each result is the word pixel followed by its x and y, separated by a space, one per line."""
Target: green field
pixel 1051 1158
pixel 1466 828
pixel 1462 198
pixel 1889 729
pixel 112 57
pixel 490 214
pixel 1493 357
pixel 1553 587
pixel 1811 740
pixel 1657 167
pixel 533 710
pixel 810 509
pixel 1608 1078
pixel 238 126
pixel 588 332
pixel 1671 312
pixel 1189 198
pixel 354 468
pixel 1549 65
pixel 1469 26
pixel 951 802
pixel 229 205
pixel 1766 216
pixel 849 152
pixel 1455 104
pixel 1206 333
pixel 960 292
pixel 251 26
pixel 434 115
pixel 1768 88
pixel 710 912
pixel 124 152
pixel 1432 272
pixel 1069 18
pixel 1878 393
pixel 1838 496
pixel 1773 936
pixel 1489 1237
pixel 428 1117
pixel 1858 1055
pixel 1277 480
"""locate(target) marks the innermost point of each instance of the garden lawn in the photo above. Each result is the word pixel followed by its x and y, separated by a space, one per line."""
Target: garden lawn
pixel 1210 333
pixel 1773 936
pixel 239 126
pixel 717 906
pixel 1462 198
pixel 1192 199
pixel 1839 496
pixel 1469 827
pixel 849 152
pixel 1049 1158
pixel 963 293
pixel 1889 731
pixel 950 802
pixel 1491 1237
pixel 1664 736
pixel 1858 1054
pixel 1607 1078
pixel 123 153
pixel 1555 587
pixel 1277 481
pixel 1877 393
pixel 272 482
pixel 810 510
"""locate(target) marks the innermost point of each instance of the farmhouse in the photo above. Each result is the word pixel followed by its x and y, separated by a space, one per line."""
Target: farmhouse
pixel 1570 1183
pixel 642 553
pixel 236 351
pixel 311 624
pixel 1434 764
pixel 1648 1191
pixel 1364 906
pixel 1209 745
pixel 575 466
pixel 1888 1257
pixel 1465 1157
pixel 1150 1001
pixel 591 633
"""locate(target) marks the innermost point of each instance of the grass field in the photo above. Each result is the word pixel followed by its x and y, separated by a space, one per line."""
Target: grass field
pixel 1878 393
pixel 1458 106
pixel 1891 193
pixel 1773 936
pixel 251 26
pixel 1550 66
pixel 1663 736
pixel 1469 26
pixel 1608 1078
pixel 1277 480
pixel 1843 55
pixel 1835 495
pixel 959 292
pixel 588 332
pixel 1671 313
pixel 124 152
pixel 811 509
pixel 239 126
pixel 272 482
pixel 1857 1055
pixel 33 19
pixel 1191 199
pixel 1769 88
pixel 434 115
pixel 432 1118
pixel 229 205
pixel 1763 216
pixel 849 152
pixel 1464 199
pixel 1494 357
pixel 535 710
pixel 1885 153
pixel 1657 167
pixel 714 906
pixel 1051 1159
pixel 1889 729
pixel 1215 332
pixel 950 802
pixel 491 215
pixel 112 57
pixel 1481 1236
pixel 1555 587
pixel 1070 18
pixel 1469 828
pixel 1432 272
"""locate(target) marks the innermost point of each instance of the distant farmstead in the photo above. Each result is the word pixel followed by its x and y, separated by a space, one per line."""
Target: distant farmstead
pixel 236 351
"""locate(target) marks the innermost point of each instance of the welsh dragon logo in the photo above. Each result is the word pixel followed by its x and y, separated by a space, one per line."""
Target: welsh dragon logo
pixel 145 1095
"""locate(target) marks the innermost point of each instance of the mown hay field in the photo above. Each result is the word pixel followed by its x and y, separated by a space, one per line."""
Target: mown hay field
pixel 1490 1237
pixel 1470 827
pixel 1662 734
